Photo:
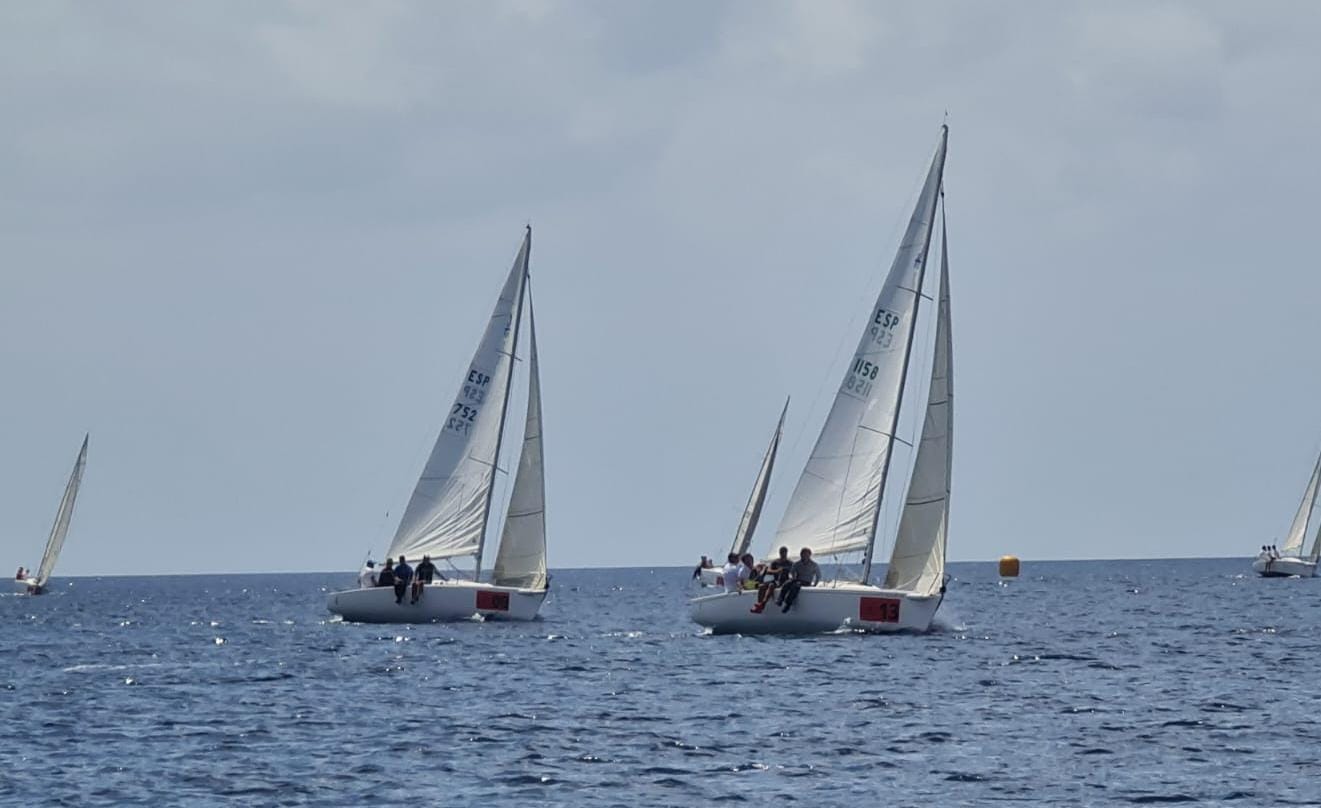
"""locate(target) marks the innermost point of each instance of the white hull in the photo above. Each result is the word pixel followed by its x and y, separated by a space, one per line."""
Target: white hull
pixel 26 588
pixel 1284 567
pixel 819 609
pixel 442 601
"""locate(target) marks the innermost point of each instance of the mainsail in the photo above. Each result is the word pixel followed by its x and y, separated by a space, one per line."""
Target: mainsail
pixel 62 517
pixel 1293 543
pixel 521 559
pixel 447 514
pixel 752 513
pixel 835 505
pixel 917 563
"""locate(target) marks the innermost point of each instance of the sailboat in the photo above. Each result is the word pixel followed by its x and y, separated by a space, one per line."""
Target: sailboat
pixel 36 584
pixel 835 508
pixel 747 525
pixel 1290 561
pixel 449 512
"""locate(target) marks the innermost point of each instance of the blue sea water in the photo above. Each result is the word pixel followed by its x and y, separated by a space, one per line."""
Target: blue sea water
pixel 1079 683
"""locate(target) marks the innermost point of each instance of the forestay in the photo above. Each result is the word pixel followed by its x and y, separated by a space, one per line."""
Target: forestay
pixel 521 559
pixel 62 518
pixel 917 563
pixel 1293 543
pixel 834 506
pixel 747 526
pixel 447 514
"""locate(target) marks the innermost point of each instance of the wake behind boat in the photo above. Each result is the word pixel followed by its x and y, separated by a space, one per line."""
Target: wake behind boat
pixel 1288 561
pixel 448 514
pixel 835 507
pixel 36 584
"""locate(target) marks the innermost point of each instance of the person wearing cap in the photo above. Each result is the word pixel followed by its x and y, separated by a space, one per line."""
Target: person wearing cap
pixel 386 576
pixel 403 576
pixel 367 575
pixel 423 575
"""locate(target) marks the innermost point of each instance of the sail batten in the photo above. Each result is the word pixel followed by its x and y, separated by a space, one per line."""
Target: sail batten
pixel 521 558
pixel 747 525
pixel 835 505
pixel 63 516
pixel 917 562
pixel 447 514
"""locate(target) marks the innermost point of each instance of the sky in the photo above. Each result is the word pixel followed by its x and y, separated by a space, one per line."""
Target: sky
pixel 251 246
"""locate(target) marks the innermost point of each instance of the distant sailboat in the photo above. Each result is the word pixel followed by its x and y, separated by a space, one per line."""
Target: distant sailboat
pixel 1290 561
pixel 835 508
pixel 449 512
pixel 747 525
pixel 36 584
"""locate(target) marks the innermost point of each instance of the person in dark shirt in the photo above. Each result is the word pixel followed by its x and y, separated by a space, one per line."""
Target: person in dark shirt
pixel 775 576
pixel 804 572
pixel 403 576
pixel 424 574
pixel 704 564
pixel 386 576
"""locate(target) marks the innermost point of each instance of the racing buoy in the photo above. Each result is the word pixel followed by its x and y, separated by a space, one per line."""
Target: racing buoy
pixel 1008 566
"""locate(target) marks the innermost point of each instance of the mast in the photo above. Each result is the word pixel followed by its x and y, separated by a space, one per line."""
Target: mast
pixel 903 378
pixel 504 408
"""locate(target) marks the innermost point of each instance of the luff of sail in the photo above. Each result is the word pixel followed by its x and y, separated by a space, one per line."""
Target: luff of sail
pixel 447 513
pixel 834 506
pixel 747 525
pixel 521 559
pixel 62 518
pixel 917 563
pixel 1293 542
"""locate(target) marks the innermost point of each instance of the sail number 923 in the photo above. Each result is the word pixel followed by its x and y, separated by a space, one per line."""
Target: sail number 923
pixel 883 327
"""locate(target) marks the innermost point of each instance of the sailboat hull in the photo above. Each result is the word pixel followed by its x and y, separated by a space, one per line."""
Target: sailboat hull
pixel 711 577
pixel 28 588
pixel 444 601
pixel 819 609
pixel 1284 568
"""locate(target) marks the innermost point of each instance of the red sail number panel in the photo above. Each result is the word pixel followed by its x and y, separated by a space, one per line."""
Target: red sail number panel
pixel 493 601
pixel 878 610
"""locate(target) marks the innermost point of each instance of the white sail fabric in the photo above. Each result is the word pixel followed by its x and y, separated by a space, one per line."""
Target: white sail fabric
pixel 1293 542
pixel 446 516
pixel 752 513
pixel 62 518
pixel 917 563
pixel 834 505
pixel 521 559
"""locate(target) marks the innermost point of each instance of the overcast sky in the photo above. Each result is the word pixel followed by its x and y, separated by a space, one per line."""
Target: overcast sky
pixel 251 247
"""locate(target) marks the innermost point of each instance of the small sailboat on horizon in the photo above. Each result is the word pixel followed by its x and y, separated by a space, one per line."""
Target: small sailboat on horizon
pixel 449 512
pixel 835 508
pixel 36 584
pixel 1289 561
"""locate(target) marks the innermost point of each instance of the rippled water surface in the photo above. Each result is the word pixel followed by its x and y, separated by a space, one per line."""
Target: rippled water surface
pixel 1097 683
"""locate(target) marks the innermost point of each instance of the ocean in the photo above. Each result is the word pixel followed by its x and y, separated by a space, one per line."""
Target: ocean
pixel 1078 683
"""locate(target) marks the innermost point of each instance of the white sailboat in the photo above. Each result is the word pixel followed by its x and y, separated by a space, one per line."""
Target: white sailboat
pixel 835 508
pixel 1290 560
pixel 36 584
pixel 448 514
pixel 747 525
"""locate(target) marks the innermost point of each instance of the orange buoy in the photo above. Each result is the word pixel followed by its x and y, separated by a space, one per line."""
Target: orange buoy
pixel 1008 566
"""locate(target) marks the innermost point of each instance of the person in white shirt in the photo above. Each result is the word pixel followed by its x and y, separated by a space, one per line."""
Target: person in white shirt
pixel 730 574
pixel 367 575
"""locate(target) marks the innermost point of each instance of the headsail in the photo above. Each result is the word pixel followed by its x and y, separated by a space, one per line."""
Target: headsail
pixel 521 559
pixel 62 517
pixel 835 505
pixel 752 513
pixel 917 563
pixel 448 511
pixel 1293 542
